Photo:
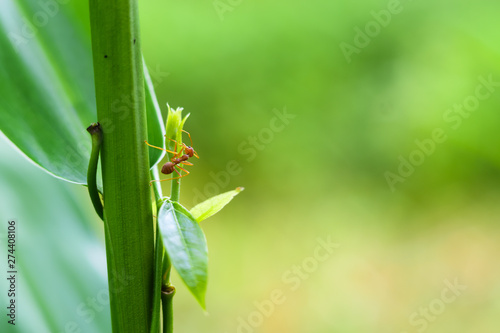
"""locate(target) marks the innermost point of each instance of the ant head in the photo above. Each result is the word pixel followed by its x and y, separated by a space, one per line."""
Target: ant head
pixel 189 151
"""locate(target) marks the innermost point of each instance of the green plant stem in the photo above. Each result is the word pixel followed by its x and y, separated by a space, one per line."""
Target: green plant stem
pixel 156 186
pixel 96 135
pixel 159 254
pixel 162 271
pixel 167 267
pixel 129 229
pixel 175 190
pixel 167 295
pixel 159 251
pixel 168 291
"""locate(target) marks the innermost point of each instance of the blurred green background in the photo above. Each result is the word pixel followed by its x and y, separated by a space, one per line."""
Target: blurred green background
pixel 323 174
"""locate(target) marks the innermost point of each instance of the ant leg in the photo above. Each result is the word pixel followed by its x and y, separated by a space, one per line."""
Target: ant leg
pixel 180 176
pixel 187 172
pixel 194 153
pixel 158 147
pixel 189 137
pixel 176 154
pixel 175 141
pixel 164 180
pixel 161 180
pixel 186 163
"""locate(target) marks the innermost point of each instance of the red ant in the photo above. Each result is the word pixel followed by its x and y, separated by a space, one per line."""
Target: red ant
pixel 180 157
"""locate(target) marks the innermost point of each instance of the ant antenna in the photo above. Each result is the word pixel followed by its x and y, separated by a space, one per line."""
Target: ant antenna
pixel 189 137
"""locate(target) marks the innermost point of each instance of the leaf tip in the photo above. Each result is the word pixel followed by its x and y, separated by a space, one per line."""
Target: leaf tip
pixel 200 297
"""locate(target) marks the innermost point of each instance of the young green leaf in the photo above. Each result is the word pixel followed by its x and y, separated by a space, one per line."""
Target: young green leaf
pixel 173 124
pixel 213 205
pixel 186 247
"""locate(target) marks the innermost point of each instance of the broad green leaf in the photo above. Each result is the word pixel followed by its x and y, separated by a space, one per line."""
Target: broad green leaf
pixel 156 127
pixel 61 266
pixel 47 89
pixel 213 205
pixel 186 247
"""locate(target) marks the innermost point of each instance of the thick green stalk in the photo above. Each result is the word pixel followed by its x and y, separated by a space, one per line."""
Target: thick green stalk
pixel 125 162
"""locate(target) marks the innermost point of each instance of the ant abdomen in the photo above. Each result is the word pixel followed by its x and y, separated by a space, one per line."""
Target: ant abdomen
pixel 167 168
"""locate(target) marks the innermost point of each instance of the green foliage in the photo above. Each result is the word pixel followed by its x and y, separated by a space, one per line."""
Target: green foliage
pixel 182 237
pixel 354 120
pixel 62 268
pixel 213 205
pixel 47 89
pixel 49 100
pixel 175 124
pixel 186 247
